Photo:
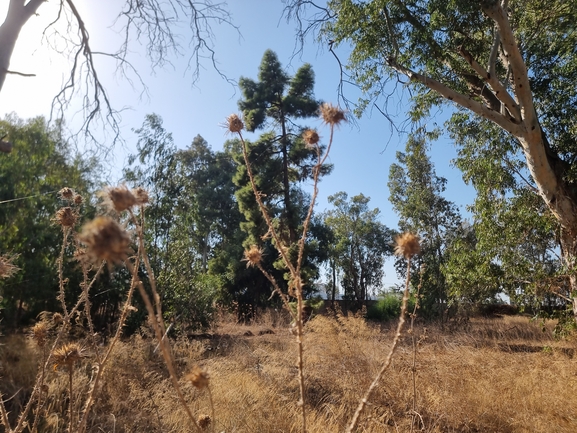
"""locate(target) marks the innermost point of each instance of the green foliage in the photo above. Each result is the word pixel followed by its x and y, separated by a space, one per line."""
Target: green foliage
pixel 416 195
pixel 41 163
pixel 443 47
pixel 513 238
pixel 281 163
pixel 388 307
pixel 360 244
pixel 193 220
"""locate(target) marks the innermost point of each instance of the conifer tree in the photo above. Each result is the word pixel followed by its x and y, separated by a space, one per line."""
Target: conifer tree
pixel 280 160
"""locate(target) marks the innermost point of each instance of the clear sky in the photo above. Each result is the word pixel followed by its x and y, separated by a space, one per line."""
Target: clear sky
pixel 362 151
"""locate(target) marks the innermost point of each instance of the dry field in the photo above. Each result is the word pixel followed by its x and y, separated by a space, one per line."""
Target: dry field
pixel 491 375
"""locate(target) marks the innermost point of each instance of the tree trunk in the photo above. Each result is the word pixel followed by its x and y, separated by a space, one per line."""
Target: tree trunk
pixel 334 288
pixel 569 254
pixel 16 17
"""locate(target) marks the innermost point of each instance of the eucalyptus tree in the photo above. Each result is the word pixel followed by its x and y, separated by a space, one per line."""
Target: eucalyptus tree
pixel 416 193
pixel 192 218
pixel 361 244
pixel 507 67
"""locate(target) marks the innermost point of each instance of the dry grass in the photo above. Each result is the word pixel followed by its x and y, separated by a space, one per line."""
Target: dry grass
pixel 499 375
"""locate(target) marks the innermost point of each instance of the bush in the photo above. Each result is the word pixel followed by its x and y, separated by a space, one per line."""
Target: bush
pixel 388 307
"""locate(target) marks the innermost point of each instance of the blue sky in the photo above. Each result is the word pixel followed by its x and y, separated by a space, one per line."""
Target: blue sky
pixel 362 151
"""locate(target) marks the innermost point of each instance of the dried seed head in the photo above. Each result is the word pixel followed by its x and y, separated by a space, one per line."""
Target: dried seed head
pixel 204 421
pixel 234 123
pixel 198 377
pixel 311 138
pixel 141 195
pixel 407 245
pixel 65 217
pixel 105 240
pixel 78 199
pixel 253 256
pixel 68 354
pixel 66 193
pixel 7 268
pixel 57 319
pixel 119 198
pixel 332 115
pixel 40 333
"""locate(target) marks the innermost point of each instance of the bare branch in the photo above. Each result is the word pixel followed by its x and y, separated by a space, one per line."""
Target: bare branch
pixel 22 74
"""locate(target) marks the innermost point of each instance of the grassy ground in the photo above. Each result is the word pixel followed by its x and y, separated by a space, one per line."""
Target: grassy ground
pixel 490 375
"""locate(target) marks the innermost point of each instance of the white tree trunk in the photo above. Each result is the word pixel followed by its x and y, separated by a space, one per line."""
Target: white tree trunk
pixel 18 14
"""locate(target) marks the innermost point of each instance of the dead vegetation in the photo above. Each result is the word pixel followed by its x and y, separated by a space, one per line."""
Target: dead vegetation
pixel 497 375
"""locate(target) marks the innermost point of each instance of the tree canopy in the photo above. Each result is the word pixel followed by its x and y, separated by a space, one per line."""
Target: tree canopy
pixel 508 68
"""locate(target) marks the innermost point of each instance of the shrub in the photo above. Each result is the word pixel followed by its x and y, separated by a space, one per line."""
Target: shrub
pixel 388 307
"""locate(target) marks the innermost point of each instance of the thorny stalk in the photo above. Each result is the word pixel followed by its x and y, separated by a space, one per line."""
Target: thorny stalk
pixel 70 399
pixel 353 425
pixel 156 318
pixel 296 281
pixel 415 344
pixel 61 280
pixel 100 366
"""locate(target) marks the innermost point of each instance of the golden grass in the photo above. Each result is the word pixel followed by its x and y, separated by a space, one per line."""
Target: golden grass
pixel 499 375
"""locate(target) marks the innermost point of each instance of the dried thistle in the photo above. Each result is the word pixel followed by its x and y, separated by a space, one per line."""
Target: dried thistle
pixel 7 267
pixel 57 319
pixel 78 199
pixel 198 377
pixel 253 256
pixel 67 355
pixel 66 193
pixel 407 245
pixel 141 195
pixel 40 333
pixel 65 217
pixel 105 240
pixel 234 123
pixel 118 198
pixel 204 421
pixel 332 115
pixel 311 138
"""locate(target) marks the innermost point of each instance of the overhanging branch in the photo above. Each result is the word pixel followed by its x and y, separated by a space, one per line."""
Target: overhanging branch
pixel 460 99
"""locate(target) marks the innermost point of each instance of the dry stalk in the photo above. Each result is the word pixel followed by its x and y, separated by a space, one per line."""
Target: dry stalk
pixel 407 246
pixel 415 344
pixel 332 116
pixel 155 318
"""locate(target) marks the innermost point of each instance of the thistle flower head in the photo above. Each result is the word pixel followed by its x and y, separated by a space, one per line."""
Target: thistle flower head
pixel 204 421
pixel 118 198
pixel 105 240
pixel 7 267
pixel 141 195
pixel 66 193
pixel 407 245
pixel 68 354
pixel 198 377
pixel 253 256
pixel 65 217
pixel 78 199
pixel 332 115
pixel 40 333
pixel 311 138
pixel 234 123
pixel 57 319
